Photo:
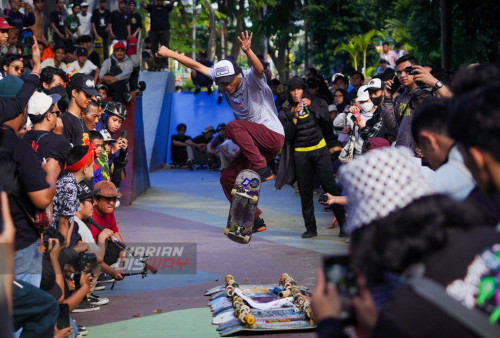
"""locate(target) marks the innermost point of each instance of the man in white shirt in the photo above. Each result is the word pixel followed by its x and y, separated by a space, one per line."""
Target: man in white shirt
pixel 85 19
pixel 57 61
pixel 82 64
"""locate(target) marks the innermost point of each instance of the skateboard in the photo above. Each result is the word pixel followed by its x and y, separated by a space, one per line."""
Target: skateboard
pixel 99 47
pixel 243 206
pixel 259 308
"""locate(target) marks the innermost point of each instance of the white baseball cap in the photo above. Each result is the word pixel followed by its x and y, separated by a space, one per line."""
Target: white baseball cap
pixel 40 103
pixel 375 84
pixel 225 71
pixel 363 94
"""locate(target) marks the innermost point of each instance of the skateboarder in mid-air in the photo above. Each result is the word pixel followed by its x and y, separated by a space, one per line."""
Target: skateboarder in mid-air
pixel 257 129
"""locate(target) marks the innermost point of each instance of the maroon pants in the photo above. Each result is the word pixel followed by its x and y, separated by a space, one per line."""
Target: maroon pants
pixel 257 143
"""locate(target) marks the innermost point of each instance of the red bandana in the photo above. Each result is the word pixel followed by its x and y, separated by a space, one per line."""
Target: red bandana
pixel 85 161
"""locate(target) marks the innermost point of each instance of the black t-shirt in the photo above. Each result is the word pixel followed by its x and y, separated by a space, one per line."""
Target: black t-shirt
pixel 119 22
pixel 160 16
pixel 74 129
pixel 135 21
pixel 48 282
pixel 200 139
pixel 57 17
pixel 95 58
pixel 30 178
pixel 179 153
pixel 101 21
pixel 48 145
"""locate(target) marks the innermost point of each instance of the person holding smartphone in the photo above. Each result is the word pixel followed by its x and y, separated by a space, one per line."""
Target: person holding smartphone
pixel 304 119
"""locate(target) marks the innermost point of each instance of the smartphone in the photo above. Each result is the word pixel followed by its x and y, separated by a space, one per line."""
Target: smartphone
pixel 27 36
pixel 339 271
pixel 395 85
pixel 63 319
pixel 124 134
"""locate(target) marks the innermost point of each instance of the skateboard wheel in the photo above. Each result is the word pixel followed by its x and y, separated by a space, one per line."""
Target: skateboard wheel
pixel 229 278
pixel 226 231
pixel 300 300
pixel 245 308
pixel 285 293
pixel 233 192
pixel 287 285
pixel 254 200
pixel 283 277
pixel 246 239
pixel 250 320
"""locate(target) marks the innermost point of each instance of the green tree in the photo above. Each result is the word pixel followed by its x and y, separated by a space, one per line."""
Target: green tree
pixel 351 49
pixel 363 42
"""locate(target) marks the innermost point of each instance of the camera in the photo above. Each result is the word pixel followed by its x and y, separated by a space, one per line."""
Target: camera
pixel 323 198
pixel 86 258
pixel 409 70
pixel 354 118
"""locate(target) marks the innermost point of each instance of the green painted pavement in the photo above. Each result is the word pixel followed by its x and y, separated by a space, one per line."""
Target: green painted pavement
pixel 183 323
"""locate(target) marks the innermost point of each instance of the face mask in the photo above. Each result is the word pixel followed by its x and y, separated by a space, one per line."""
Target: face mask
pixel 377 100
pixel 367 106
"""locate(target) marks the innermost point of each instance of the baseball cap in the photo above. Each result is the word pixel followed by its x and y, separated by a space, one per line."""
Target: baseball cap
pixel 84 4
pixel 10 86
pixel 85 192
pixel 221 126
pixel 362 94
pixel 4 24
pixel 296 82
pixel 132 2
pixel 225 71
pixel 118 45
pixel 374 84
pixel 107 189
pixel 83 82
pixel 207 129
pixel 40 103
pixel 107 136
pixel 80 51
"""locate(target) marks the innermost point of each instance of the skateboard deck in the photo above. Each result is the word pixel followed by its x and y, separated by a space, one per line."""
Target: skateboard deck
pixel 271 308
pixel 241 216
pixel 99 48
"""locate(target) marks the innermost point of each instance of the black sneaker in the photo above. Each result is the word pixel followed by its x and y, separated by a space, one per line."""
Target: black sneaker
pixel 99 287
pixel 190 164
pixel 96 300
pixel 265 174
pixel 259 225
pixel 219 99
pixel 342 233
pixel 309 234
pixel 105 278
pixel 197 91
pixel 86 306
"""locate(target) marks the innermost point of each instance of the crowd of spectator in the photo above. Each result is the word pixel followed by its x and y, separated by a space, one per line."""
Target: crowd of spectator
pixel 63 156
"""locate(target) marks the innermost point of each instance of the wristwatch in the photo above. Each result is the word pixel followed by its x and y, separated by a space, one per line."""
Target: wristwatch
pixel 438 85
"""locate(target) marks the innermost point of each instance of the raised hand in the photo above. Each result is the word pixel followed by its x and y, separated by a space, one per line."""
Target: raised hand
pixel 245 41
pixel 163 52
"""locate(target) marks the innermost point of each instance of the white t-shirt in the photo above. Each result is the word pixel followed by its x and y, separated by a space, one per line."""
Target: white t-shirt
pixel 86 25
pixel 50 63
pixel 86 234
pixel 253 101
pixel 87 68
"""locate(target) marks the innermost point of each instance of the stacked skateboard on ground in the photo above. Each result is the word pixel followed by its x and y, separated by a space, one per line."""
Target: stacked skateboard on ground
pixel 282 307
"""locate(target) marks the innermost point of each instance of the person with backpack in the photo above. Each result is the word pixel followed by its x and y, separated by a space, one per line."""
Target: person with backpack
pixel 116 72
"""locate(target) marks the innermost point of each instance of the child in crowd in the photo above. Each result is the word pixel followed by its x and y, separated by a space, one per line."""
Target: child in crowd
pixel 101 167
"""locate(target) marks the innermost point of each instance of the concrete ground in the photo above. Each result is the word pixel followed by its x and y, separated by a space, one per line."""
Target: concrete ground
pixel 184 206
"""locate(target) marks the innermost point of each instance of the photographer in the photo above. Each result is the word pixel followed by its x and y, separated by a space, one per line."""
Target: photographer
pixel 398 113
pixel 303 120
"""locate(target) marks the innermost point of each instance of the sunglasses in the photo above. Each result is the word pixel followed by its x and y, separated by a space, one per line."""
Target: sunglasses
pixel 19 69
pixel 57 112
